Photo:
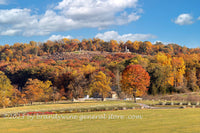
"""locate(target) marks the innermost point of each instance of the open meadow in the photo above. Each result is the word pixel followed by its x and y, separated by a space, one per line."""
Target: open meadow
pixel 66 105
pixel 126 121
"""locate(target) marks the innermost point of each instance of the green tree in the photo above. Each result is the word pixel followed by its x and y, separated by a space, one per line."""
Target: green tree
pixel 159 78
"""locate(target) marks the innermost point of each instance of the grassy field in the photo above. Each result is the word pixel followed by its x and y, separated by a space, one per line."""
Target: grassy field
pixel 66 105
pixel 126 121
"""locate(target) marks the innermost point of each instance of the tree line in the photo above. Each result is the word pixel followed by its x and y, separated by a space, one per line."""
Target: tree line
pixel 25 51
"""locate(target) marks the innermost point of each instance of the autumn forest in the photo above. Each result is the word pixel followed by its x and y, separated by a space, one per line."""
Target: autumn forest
pixel 69 69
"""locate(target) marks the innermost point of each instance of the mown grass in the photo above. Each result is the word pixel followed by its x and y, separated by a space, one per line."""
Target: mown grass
pixel 151 121
pixel 152 102
pixel 65 105
pixel 149 102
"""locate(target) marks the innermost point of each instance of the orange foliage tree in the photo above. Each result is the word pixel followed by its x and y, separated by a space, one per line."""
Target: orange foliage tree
pixel 36 90
pixel 135 80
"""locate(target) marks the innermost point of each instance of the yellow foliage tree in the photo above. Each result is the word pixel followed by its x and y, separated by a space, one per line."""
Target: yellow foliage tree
pixel 86 69
pixel 178 65
pixel 101 84
pixel 136 45
pixel 36 90
pixel 148 46
pixel 166 60
pixel 6 90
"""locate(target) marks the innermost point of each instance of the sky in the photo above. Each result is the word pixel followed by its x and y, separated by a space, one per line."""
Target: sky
pixel 167 21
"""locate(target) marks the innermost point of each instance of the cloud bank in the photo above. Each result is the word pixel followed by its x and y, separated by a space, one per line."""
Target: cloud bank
pixel 110 35
pixel 68 15
pixel 58 37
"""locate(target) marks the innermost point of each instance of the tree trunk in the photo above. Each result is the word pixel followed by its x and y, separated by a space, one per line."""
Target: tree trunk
pixel 73 99
pixel 134 96
pixel 102 99
pixel 118 80
pixel 54 101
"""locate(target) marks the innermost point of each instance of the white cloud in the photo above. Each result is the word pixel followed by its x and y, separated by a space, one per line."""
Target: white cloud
pixel 198 18
pixel 3 2
pixel 184 19
pixel 91 4
pixel 125 18
pixel 68 15
pixel 165 43
pixel 113 35
pixel 15 16
pixel 16 21
pixel 99 13
pixel 58 37
pixel 10 32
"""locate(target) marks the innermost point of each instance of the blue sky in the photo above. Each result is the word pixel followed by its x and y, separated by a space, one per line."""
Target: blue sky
pixel 168 21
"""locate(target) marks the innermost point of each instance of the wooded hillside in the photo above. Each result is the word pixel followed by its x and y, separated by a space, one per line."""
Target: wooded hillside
pixel 68 69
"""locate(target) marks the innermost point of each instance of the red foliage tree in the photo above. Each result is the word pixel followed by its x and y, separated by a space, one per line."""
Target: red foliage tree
pixel 135 80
